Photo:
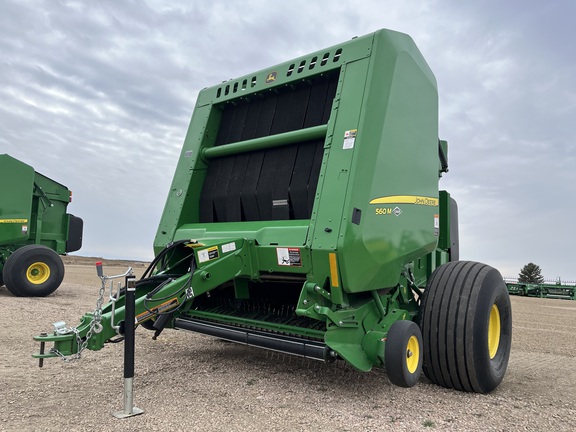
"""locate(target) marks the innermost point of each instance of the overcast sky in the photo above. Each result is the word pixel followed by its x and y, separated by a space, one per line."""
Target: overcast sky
pixel 98 94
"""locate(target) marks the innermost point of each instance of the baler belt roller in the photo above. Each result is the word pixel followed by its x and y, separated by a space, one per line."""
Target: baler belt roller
pixel 287 344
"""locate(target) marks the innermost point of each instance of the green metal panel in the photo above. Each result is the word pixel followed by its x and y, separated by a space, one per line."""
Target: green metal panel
pixel 444 229
pixel 49 213
pixel 286 73
pixel 183 199
pixel 394 167
pixel 16 188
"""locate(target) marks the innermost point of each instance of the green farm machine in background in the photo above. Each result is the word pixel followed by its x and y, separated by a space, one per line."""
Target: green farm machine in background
pixel 305 217
pixel 557 290
pixel 34 229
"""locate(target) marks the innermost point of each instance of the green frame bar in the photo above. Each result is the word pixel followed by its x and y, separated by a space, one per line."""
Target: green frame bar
pixel 301 135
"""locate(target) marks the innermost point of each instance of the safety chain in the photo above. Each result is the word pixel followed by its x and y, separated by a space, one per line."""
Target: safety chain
pixel 95 327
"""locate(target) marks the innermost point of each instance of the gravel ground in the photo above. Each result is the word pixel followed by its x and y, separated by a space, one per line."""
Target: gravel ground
pixel 186 381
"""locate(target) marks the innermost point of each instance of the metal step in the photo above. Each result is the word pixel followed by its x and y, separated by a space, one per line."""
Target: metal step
pixel 306 348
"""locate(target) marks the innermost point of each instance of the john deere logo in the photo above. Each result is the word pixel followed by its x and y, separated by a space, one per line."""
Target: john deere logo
pixel 271 77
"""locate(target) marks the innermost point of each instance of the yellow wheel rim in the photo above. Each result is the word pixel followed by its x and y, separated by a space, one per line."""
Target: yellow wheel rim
pixel 38 273
pixel 412 354
pixel 494 331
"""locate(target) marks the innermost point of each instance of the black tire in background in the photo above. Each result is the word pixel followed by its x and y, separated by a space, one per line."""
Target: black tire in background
pixel 1 279
pixel 403 353
pixel 33 271
pixel 466 323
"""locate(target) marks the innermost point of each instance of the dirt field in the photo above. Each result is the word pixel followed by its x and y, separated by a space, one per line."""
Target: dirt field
pixel 191 382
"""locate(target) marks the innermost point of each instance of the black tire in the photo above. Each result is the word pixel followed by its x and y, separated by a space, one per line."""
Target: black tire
pixel 466 323
pixel 1 279
pixel 403 353
pixel 33 271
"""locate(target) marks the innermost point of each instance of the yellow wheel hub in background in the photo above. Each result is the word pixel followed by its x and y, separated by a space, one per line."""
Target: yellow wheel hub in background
pixel 412 354
pixel 38 273
pixel 494 331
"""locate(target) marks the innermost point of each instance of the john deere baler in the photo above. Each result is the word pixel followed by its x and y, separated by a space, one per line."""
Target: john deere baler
pixel 305 217
pixel 34 229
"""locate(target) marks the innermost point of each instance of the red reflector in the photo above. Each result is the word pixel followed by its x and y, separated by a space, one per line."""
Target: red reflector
pixel 99 270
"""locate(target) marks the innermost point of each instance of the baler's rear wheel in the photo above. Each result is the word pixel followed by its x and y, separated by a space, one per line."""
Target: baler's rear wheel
pixel 33 270
pixel 403 353
pixel 466 323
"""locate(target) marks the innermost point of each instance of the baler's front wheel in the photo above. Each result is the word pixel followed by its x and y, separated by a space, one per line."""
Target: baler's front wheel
pixel 403 353
pixel 466 323
pixel 33 271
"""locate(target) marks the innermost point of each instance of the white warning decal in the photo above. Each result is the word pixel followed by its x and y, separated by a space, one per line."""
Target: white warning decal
pixel 289 257
pixel 349 139
pixel 228 247
pixel 208 254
